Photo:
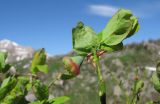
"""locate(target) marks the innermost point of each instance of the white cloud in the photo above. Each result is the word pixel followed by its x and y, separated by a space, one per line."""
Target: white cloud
pixel 143 10
pixel 103 10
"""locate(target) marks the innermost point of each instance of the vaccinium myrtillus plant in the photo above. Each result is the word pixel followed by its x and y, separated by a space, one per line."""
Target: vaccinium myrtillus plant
pixel 90 45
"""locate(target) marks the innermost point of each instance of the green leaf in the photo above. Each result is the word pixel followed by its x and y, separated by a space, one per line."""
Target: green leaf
pixel 6 68
pixel 43 68
pixel 66 76
pixel 29 86
pixel 122 25
pixel 7 85
pixel 112 48
pixel 38 102
pixel 139 86
pixel 135 26
pixel 150 102
pixel 3 66
pixel 156 82
pixel 39 62
pixel 41 90
pixel 5 82
pixel 18 93
pixel 3 57
pixel 59 100
pixel 84 38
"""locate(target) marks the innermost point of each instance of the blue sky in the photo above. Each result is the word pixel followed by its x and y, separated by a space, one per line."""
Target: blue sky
pixel 48 23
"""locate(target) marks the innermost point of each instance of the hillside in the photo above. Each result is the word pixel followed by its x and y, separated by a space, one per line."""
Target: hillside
pixel 119 72
pixel 118 69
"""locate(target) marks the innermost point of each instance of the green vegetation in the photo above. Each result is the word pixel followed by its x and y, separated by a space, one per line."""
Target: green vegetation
pixel 117 79
pixel 87 43
pixel 15 87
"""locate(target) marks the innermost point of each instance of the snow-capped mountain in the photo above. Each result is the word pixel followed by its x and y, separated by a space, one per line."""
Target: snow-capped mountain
pixel 15 51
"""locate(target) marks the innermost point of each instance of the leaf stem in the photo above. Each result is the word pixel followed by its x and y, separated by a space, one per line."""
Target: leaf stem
pixel 54 80
pixel 101 83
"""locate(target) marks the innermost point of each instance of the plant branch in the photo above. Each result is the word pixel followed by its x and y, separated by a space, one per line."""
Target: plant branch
pixel 101 83
pixel 54 80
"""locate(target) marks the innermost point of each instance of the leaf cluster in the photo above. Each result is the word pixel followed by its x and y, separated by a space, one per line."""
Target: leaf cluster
pixel 15 88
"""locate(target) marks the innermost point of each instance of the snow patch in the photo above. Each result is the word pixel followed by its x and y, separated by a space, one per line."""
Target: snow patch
pixel 150 68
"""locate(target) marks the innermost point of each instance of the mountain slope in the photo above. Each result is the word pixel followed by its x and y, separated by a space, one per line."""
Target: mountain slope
pixel 15 52
pixel 116 67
